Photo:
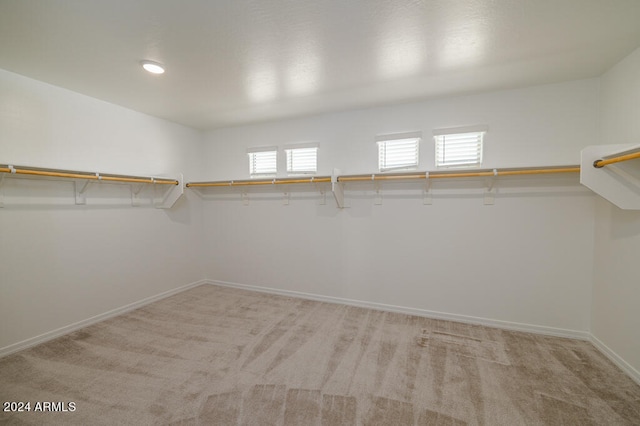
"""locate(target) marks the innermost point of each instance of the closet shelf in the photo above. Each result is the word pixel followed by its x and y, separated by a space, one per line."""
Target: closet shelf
pixel 394 176
pixel 459 174
pixel 82 180
pixel 613 172
pixel 287 181
pixel 21 170
pixel 338 181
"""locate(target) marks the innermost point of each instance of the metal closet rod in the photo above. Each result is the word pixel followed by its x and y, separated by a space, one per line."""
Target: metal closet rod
pixel 399 176
pixel 598 164
pixel 95 176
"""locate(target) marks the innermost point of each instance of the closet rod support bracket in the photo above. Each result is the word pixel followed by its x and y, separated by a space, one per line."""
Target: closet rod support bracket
pixel 172 194
pixel 81 187
pixel 135 195
pixel 337 188
pixel 617 182
pixel 490 192
pixel 1 190
pixel 378 197
pixel 426 192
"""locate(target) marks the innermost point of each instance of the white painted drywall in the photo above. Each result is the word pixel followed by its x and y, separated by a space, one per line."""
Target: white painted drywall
pixel 60 264
pixel 616 294
pixel 525 260
pixel 543 125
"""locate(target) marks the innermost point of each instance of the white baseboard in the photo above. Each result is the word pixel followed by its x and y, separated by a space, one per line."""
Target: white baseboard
pixel 538 329
pixel 84 323
pixel 616 359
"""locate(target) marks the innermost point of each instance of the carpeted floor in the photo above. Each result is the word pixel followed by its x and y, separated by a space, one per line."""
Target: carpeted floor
pixel 217 356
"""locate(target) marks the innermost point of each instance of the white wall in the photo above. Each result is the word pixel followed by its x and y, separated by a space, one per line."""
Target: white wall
pixel 61 263
pixel 524 260
pixel 616 294
pixel 544 125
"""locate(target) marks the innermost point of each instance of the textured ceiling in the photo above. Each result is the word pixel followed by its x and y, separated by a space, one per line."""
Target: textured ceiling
pixel 232 62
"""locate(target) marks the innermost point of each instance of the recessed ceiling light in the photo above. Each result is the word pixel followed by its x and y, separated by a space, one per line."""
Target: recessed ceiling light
pixel 152 67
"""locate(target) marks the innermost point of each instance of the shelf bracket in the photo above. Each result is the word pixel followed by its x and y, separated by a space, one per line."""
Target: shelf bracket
pixel 426 193
pixel 625 175
pixel 490 192
pixel 323 193
pixel 612 182
pixel 81 187
pixel 337 188
pixel 172 195
pixel 378 197
pixel 135 194
pixel 1 190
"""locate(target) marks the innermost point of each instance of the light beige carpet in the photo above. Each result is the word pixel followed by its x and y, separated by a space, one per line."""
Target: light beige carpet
pixel 218 356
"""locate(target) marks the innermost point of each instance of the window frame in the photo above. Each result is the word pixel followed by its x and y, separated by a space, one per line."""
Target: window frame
pixel 251 155
pixel 290 149
pixel 384 142
pixel 439 137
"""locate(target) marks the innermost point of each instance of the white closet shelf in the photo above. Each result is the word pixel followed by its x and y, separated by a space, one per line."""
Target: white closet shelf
pixel 392 176
pixel 613 172
pixel 338 181
pixel 82 180
pixel 253 182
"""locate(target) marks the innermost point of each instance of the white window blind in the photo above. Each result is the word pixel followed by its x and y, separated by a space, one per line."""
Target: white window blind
pixel 302 160
pixel 459 149
pixel 398 154
pixel 263 163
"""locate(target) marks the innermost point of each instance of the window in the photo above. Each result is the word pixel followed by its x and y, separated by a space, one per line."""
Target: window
pixel 460 147
pixel 302 159
pixel 396 152
pixel 263 162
